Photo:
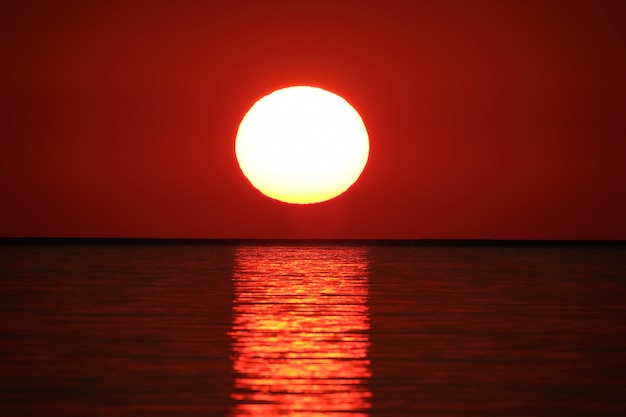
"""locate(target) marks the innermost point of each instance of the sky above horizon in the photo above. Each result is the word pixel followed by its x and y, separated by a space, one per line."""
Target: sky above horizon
pixel 487 119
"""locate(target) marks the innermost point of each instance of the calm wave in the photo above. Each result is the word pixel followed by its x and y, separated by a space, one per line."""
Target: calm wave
pixel 312 330
pixel 301 331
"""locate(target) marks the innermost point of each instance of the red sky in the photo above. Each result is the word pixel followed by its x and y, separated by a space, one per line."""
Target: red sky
pixel 487 119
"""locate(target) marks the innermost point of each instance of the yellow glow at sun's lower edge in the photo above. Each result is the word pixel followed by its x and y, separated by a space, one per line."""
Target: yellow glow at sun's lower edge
pixel 302 145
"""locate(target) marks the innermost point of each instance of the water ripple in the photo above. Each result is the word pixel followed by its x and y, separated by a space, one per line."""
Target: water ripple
pixel 300 335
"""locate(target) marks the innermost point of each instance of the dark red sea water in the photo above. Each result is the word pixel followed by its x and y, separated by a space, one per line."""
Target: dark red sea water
pixel 311 330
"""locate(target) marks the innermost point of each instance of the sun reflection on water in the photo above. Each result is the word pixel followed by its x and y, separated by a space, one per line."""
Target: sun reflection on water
pixel 300 332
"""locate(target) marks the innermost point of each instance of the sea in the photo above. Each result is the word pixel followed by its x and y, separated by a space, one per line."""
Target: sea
pixel 312 329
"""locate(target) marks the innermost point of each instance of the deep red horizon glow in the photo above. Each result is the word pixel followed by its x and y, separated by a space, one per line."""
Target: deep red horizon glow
pixel 486 119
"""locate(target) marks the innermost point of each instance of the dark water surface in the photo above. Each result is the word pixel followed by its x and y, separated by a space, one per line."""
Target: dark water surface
pixel 237 330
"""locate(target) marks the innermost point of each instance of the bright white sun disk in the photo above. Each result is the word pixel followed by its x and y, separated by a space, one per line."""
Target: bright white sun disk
pixel 302 145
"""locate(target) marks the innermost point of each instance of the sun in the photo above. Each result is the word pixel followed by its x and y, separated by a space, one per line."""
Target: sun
pixel 302 145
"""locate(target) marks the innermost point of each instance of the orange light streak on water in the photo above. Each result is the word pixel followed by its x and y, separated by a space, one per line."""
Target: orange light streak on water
pixel 300 334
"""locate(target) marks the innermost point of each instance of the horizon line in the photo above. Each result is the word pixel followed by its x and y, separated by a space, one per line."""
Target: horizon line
pixel 319 241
